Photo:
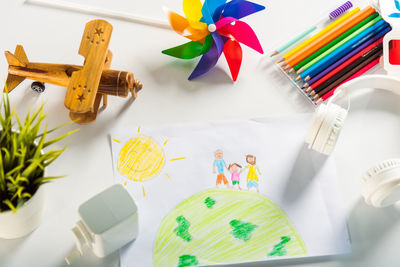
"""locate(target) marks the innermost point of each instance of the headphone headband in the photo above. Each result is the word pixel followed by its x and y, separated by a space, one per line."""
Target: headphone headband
pixel 377 81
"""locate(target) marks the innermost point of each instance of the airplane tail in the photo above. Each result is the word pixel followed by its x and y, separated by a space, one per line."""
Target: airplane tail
pixel 19 59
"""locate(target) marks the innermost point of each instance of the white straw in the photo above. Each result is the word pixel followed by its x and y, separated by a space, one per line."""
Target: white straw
pixel 100 12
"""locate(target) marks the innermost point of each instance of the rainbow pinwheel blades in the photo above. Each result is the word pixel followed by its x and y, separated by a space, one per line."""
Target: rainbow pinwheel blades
pixel 214 27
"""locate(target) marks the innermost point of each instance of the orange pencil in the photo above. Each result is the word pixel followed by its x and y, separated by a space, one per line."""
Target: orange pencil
pixel 329 36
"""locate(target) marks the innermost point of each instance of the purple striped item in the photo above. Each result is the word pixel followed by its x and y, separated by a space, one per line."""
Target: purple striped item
pixel 340 10
pixel 344 59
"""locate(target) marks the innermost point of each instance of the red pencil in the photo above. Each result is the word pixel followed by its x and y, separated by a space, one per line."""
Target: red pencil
pixel 355 75
pixel 344 65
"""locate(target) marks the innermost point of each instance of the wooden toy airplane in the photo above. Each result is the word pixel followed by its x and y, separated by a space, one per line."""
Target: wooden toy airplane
pixel 87 84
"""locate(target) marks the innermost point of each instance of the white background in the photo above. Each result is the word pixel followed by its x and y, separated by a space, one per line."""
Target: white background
pixel 371 134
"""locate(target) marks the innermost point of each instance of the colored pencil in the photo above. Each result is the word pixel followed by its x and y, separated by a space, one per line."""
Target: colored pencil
pixel 280 60
pixel 375 39
pixel 349 73
pixel 342 43
pixel 336 41
pixel 343 69
pixel 321 82
pixel 329 36
pixel 293 41
pixel 357 74
pixel 345 49
pixel 322 32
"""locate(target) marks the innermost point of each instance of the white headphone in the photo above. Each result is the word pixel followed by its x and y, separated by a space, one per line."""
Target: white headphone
pixel 381 183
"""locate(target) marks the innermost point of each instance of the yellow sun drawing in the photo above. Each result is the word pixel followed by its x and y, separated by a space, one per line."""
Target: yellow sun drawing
pixel 142 158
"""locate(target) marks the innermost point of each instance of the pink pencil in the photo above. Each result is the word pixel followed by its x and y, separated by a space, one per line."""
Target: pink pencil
pixel 355 75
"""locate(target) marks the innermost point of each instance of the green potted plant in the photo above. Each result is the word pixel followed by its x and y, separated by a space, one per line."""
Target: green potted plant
pixel 23 163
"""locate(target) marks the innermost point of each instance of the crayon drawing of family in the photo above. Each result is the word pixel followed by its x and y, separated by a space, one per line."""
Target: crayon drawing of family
pixel 235 169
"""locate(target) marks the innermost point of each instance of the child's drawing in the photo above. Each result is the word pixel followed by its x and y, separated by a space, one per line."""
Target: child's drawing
pixel 219 166
pixel 235 170
pixel 142 158
pixel 249 216
pixel 252 178
pixel 225 226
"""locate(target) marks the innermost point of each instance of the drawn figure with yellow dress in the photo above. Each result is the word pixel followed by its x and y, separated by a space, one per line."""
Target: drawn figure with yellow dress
pixel 252 178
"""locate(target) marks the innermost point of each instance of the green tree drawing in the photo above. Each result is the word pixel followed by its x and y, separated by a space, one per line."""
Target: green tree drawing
pixel 280 249
pixel 242 230
pixel 187 260
pixel 182 230
pixel 209 202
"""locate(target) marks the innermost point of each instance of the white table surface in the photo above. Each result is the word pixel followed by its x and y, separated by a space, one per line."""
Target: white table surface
pixel 49 35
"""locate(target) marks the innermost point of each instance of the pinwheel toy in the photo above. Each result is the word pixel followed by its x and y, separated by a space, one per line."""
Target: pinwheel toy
pixel 214 28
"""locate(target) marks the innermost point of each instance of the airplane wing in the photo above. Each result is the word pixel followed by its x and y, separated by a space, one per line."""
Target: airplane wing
pixel 90 116
pixel 83 85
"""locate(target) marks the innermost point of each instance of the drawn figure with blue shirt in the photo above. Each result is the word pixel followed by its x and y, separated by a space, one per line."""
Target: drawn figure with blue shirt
pixel 218 167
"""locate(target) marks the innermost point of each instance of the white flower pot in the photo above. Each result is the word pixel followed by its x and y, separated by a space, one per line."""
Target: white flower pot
pixel 26 219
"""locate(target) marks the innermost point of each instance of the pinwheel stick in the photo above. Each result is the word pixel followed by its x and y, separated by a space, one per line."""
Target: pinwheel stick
pixel 100 12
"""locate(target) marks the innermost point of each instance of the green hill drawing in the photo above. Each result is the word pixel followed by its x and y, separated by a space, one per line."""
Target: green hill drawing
pixel 225 226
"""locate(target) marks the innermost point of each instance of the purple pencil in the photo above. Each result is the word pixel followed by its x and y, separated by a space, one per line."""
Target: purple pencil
pixel 344 59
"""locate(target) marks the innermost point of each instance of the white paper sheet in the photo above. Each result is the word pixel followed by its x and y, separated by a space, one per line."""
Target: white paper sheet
pixel 301 183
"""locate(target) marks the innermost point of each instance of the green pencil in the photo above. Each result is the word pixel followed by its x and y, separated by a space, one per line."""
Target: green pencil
pixel 293 41
pixel 334 42
pixel 343 42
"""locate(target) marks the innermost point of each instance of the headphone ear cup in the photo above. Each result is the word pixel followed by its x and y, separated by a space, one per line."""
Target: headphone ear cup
pixel 316 122
pixel 325 128
pixel 334 123
pixel 381 184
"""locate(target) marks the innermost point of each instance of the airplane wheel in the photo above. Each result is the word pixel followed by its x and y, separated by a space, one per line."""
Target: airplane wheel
pixel 38 87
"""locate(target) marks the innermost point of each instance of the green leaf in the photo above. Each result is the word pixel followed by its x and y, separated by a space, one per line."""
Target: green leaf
pixel 6 158
pixel 34 164
pixel 59 138
pixel 21 179
pixel 12 180
pixel 56 128
pixel 18 193
pixel 14 147
pixel 42 180
pixel 2 176
pixel 10 205
pixel 15 170
pixel 26 195
pixel 53 158
pixel 39 147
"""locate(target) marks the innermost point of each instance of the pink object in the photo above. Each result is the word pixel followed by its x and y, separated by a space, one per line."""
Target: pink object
pixel 235 176
pixel 224 21
pixel 242 33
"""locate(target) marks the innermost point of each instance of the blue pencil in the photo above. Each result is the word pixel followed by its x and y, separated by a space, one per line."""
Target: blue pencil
pixel 345 49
